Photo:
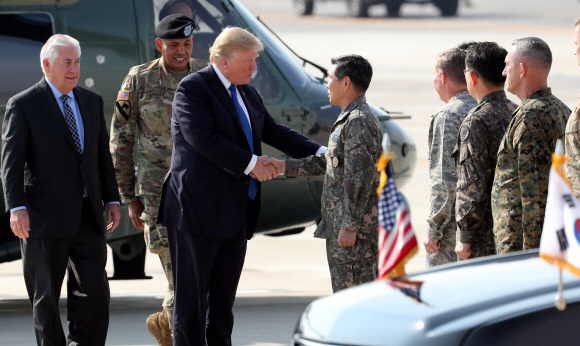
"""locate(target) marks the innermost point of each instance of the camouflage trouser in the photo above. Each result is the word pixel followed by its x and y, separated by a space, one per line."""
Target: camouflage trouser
pixel 446 252
pixel 156 240
pixel 352 265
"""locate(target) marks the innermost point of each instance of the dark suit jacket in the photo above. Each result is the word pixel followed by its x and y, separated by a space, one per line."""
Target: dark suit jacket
pixel 41 168
pixel 206 190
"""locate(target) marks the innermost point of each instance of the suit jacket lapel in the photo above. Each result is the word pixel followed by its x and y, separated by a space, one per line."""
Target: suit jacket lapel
pixel 222 93
pixel 86 118
pixel 48 102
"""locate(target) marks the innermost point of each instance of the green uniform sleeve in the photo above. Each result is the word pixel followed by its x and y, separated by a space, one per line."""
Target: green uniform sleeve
pixel 359 173
pixel 474 172
pixel 314 165
pixel 533 182
pixel 443 176
pixel 122 140
pixel 572 143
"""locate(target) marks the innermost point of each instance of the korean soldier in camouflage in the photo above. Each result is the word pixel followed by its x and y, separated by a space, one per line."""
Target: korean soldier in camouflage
pixel 144 106
pixel 520 186
pixel 572 139
pixel 476 152
pixel 449 83
pixel 349 199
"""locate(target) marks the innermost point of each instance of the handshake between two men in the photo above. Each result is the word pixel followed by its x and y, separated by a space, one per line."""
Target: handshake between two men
pixel 267 168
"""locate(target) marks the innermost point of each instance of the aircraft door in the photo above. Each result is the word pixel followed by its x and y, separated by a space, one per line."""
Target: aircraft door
pixel 107 32
pixel 21 38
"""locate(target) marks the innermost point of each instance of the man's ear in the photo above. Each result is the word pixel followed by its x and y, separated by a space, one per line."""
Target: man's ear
pixel 223 61
pixel 443 77
pixel 46 65
pixel 473 79
pixel 523 69
pixel 347 83
pixel 159 44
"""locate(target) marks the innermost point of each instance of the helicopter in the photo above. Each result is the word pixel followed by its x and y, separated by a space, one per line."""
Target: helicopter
pixel 117 35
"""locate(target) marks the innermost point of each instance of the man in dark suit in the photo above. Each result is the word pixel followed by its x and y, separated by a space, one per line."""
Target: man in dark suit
pixel 211 196
pixel 57 176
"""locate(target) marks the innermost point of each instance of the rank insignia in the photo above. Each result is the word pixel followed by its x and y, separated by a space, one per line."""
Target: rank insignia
pixel 188 30
pixel 122 111
pixel 464 133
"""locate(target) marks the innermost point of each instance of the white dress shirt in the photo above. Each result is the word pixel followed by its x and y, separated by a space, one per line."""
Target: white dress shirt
pixel 227 84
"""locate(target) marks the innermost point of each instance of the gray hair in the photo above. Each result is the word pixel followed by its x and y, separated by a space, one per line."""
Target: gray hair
pixel 534 49
pixel 233 39
pixel 50 48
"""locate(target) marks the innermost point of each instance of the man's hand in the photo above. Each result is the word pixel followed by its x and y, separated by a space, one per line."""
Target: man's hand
pixel 20 224
pixel 135 210
pixel 346 237
pixel 113 216
pixel 431 245
pixel 463 250
pixel 263 172
pixel 280 165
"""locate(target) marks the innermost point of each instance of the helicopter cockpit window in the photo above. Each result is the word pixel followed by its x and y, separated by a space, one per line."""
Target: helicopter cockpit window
pixel 21 38
pixel 211 19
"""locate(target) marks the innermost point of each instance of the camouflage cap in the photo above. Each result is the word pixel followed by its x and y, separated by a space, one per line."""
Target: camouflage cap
pixel 175 26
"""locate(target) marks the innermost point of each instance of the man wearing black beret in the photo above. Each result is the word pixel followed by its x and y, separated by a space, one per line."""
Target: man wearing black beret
pixel 144 103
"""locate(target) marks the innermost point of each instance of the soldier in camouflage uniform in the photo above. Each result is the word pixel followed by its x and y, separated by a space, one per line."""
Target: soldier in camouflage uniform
pixel 520 186
pixel 144 106
pixel 476 152
pixel 349 199
pixel 572 139
pixel 449 83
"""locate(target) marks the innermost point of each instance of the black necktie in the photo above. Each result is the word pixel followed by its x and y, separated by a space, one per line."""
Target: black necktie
pixel 72 124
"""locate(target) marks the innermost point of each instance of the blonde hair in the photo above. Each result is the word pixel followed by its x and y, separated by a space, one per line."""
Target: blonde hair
pixel 50 48
pixel 231 40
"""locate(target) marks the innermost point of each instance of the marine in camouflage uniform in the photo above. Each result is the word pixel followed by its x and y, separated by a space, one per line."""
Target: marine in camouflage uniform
pixel 476 155
pixel 349 198
pixel 524 158
pixel 572 142
pixel 443 176
pixel 144 106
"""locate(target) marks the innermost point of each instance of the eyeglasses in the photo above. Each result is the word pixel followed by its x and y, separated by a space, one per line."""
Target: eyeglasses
pixel 467 71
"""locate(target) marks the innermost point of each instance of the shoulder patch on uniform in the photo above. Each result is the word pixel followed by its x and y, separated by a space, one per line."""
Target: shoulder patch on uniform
pixel 123 95
pixel 464 133
pixel 122 111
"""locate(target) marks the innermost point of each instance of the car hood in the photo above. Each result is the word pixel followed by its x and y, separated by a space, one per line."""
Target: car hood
pixel 436 307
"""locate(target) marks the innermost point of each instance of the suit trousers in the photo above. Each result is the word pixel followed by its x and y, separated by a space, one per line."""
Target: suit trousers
pixel 83 257
pixel 206 272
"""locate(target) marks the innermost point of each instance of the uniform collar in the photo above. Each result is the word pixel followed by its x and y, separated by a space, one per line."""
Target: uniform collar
pixel 166 79
pixel 464 95
pixel 354 104
pixel 540 93
pixel 493 96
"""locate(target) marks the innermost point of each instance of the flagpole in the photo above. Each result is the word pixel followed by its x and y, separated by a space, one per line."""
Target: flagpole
pixel 560 301
pixel 558 161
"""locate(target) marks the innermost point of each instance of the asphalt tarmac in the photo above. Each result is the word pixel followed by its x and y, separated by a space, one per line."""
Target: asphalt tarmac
pixel 283 274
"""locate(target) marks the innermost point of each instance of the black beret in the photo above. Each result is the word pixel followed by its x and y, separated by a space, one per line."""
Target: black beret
pixel 175 26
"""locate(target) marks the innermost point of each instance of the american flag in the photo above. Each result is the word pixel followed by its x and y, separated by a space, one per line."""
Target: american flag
pixel 397 242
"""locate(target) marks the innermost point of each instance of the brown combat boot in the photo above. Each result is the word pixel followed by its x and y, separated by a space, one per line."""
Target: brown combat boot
pixel 159 327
